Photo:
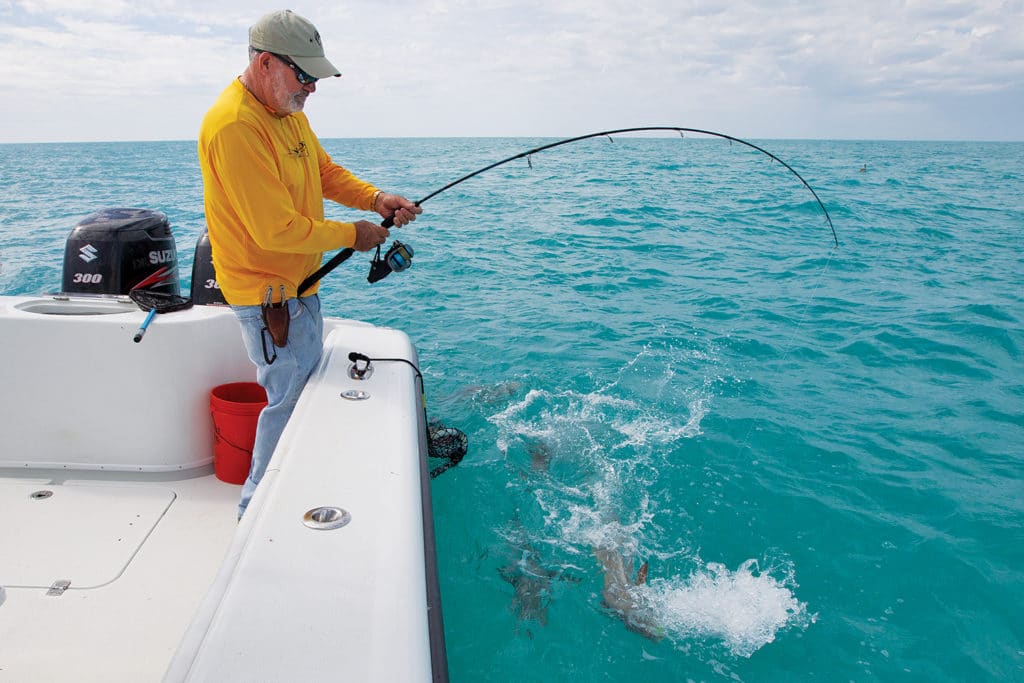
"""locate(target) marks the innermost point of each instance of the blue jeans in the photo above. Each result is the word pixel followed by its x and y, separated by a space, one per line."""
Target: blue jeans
pixel 283 379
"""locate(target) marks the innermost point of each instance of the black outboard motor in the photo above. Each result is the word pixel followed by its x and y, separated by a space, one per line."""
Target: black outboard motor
pixel 112 250
pixel 205 289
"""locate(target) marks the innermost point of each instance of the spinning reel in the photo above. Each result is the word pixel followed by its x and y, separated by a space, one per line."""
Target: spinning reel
pixel 397 259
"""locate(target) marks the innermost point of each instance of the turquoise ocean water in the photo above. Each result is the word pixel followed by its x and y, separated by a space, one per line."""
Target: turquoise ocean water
pixel 653 345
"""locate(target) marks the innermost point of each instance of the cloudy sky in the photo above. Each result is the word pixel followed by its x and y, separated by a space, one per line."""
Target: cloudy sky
pixel 82 70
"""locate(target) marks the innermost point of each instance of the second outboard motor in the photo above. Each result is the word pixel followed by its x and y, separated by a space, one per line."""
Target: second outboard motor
pixel 205 289
pixel 112 250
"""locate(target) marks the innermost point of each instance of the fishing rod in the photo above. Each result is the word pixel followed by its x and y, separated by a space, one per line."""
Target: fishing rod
pixel 399 256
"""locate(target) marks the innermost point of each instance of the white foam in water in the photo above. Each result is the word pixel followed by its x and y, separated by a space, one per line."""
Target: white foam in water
pixel 660 431
pixel 743 608
pixel 586 528
pixel 698 409
pixel 543 414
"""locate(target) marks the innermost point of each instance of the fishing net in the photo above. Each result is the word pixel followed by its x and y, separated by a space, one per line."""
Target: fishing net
pixel 446 447
pixel 163 302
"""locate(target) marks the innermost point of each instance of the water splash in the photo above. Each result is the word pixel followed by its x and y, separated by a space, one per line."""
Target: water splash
pixel 743 609
pixel 603 454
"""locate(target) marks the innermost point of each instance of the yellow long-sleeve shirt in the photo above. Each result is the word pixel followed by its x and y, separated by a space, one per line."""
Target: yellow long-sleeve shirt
pixel 264 183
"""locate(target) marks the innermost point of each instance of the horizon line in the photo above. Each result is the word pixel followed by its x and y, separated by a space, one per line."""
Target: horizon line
pixel 665 135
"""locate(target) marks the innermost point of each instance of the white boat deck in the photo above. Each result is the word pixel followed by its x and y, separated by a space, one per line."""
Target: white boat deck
pixel 139 556
pixel 106 483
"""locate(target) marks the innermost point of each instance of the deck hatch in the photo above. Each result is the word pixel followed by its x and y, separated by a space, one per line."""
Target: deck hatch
pixel 82 532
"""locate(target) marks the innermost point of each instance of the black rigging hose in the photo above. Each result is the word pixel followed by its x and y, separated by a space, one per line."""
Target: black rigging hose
pixel 344 254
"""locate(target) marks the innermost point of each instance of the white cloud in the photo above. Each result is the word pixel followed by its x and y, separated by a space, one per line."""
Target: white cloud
pixel 118 70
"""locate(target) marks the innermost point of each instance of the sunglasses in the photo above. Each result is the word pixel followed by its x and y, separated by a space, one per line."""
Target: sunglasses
pixel 300 75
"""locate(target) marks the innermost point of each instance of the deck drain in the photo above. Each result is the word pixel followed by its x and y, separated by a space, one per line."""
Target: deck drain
pixel 326 518
pixel 40 495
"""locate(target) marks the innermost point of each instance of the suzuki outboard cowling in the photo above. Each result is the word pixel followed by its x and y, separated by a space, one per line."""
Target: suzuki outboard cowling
pixel 205 289
pixel 112 250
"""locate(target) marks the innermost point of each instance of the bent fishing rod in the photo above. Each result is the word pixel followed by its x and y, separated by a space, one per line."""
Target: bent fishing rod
pixel 381 267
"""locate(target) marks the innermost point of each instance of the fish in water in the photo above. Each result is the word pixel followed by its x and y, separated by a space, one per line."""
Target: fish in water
pixel 540 460
pixel 531 579
pixel 531 584
pixel 490 394
pixel 623 596
pixel 540 457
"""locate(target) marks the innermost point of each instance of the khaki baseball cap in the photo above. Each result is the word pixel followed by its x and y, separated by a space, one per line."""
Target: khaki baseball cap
pixel 286 33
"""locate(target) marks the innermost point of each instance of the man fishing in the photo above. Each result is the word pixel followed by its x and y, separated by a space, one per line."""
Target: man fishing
pixel 265 178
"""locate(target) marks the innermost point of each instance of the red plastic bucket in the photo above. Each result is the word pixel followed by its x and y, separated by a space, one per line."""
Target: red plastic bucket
pixel 235 409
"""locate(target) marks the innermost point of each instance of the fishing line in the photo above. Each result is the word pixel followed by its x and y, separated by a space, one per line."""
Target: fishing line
pixel 528 155
pixel 344 254
pixel 381 267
